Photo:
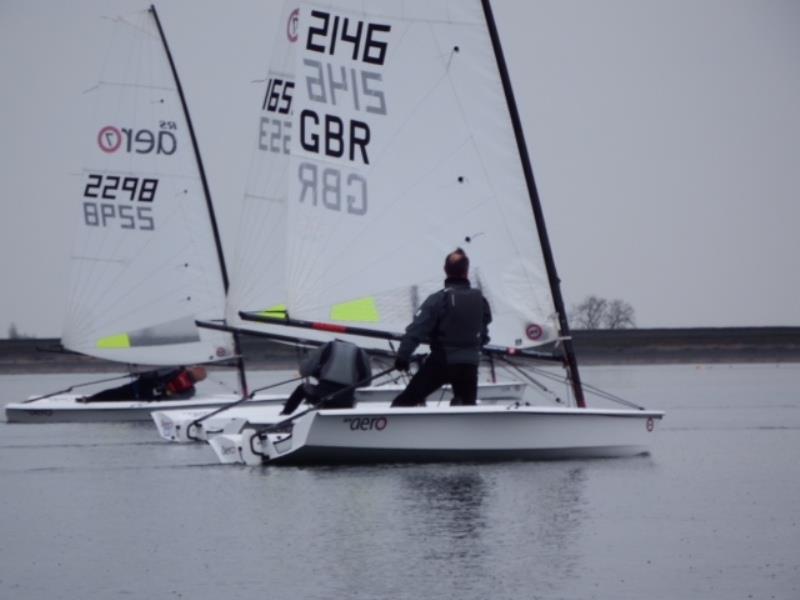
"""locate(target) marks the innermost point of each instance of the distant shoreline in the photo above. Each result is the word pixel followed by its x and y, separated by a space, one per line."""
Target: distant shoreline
pixel 592 347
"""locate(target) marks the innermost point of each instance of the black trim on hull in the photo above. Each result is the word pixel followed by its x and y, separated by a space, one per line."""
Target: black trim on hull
pixel 334 455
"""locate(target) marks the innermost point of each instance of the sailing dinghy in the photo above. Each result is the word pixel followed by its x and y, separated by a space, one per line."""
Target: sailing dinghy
pixel 391 137
pixel 265 266
pixel 147 260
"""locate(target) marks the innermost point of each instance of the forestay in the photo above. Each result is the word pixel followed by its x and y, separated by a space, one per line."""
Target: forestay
pixel 400 149
pixel 144 264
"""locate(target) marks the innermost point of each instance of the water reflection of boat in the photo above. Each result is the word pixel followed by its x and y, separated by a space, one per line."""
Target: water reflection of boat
pixel 473 519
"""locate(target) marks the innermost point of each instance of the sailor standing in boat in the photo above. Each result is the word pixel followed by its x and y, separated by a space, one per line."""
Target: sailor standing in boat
pixel 455 323
pixel 337 366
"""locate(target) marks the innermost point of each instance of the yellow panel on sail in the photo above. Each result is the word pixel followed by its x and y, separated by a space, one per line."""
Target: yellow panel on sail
pixel 363 310
pixel 121 340
pixel 275 312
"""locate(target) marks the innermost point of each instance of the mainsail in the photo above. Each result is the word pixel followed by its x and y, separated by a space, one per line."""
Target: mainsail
pixel 396 146
pixel 144 265
pixel 258 273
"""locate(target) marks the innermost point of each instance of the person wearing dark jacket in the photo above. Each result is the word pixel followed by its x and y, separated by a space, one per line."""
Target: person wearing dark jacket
pixel 163 384
pixel 455 323
pixel 337 366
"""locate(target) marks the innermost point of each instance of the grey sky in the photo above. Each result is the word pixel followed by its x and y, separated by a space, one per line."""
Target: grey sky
pixel 665 138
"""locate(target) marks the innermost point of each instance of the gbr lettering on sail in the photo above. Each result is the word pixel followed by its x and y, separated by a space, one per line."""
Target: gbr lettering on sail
pixel 339 89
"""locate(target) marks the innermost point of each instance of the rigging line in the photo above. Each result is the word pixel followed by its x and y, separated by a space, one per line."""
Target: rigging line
pixel 613 397
pixel 519 370
pixel 77 385
pixel 225 407
pixel 594 389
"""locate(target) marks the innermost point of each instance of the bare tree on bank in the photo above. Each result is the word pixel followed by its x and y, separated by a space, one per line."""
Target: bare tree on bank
pixel 598 313
pixel 589 313
pixel 14 334
pixel 619 315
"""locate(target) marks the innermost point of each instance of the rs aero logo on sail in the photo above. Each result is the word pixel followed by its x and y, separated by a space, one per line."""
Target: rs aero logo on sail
pixel 113 139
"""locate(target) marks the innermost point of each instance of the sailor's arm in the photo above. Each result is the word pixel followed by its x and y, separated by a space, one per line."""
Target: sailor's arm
pixel 487 318
pixel 421 327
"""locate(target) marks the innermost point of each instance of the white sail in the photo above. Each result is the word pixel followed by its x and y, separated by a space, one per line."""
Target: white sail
pixel 144 264
pixel 259 282
pixel 402 150
pixel 258 276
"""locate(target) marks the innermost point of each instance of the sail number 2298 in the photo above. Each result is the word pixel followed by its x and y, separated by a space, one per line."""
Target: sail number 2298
pixel 130 205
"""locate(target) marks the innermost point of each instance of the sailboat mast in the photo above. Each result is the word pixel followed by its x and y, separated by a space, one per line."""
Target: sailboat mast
pixel 212 217
pixel 570 362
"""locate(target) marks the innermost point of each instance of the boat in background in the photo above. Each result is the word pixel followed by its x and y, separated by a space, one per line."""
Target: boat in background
pixel 389 136
pixel 147 259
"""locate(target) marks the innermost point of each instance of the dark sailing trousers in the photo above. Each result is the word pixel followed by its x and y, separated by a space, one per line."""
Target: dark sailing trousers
pixel 433 374
pixel 146 387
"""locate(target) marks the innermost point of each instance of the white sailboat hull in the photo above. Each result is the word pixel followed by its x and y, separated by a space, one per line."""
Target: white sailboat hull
pixel 65 408
pixel 366 436
pixel 174 425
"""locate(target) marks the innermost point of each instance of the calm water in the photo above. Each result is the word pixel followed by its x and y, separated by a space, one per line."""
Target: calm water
pixel 109 511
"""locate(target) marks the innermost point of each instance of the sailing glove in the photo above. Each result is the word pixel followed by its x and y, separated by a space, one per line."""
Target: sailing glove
pixel 401 364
